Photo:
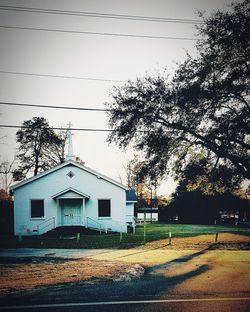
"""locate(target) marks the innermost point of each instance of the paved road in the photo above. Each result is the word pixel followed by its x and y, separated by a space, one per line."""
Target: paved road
pixel 170 305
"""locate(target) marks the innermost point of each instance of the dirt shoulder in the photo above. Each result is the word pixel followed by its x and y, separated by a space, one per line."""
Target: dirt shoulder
pixel 26 274
pixel 229 265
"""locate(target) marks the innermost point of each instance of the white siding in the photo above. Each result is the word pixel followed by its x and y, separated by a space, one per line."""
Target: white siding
pixel 130 212
pixel 57 181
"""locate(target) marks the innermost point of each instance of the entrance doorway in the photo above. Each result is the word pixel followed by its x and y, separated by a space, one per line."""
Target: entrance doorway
pixel 71 210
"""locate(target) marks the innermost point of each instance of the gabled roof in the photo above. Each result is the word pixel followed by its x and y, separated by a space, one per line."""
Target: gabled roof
pixel 67 163
pixel 71 190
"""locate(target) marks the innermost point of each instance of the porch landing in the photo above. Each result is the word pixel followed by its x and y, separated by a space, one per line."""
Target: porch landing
pixel 66 231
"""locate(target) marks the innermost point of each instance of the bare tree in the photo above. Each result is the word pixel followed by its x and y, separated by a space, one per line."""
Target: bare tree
pixel 6 177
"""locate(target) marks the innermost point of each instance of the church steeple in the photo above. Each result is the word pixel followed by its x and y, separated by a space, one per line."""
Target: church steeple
pixel 70 155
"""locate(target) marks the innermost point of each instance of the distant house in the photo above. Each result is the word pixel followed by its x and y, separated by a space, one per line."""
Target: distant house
pixel 149 213
pixel 147 209
pixel 71 194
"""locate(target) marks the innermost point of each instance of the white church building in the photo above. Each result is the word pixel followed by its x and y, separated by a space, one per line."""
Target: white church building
pixel 71 194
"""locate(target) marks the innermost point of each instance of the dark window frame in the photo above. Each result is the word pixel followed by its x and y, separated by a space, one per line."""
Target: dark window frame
pixel 104 208
pixel 37 212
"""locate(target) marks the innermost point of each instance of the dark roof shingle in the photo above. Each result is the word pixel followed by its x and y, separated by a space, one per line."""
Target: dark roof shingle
pixel 131 196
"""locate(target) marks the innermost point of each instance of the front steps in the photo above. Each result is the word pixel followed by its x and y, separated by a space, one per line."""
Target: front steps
pixel 67 231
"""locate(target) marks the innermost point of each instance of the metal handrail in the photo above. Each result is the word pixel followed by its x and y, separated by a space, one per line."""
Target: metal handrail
pixel 46 221
pixel 108 223
pixel 100 225
pixel 119 223
pixel 88 218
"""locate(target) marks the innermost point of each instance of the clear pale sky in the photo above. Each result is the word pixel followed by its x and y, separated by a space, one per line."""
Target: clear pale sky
pixel 90 56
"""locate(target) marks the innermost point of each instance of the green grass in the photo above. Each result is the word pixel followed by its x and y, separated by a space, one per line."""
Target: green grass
pixel 157 231
pixel 184 229
pixel 154 231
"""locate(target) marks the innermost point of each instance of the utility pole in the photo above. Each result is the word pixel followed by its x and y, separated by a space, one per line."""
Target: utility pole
pixel 151 204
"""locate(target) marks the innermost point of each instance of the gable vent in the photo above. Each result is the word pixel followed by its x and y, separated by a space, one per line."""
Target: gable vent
pixel 70 174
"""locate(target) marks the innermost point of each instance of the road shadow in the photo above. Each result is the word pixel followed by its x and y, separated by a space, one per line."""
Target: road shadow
pixel 152 285
pixel 179 260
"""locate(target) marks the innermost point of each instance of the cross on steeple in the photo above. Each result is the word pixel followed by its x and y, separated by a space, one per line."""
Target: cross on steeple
pixel 70 155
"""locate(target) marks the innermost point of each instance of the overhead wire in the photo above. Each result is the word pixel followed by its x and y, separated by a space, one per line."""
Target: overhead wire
pixel 100 15
pixel 58 76
pixel 64 107
pixel 61 128
pixel 96 33
pixel 86 14
pixel 54 106
pixel 73 129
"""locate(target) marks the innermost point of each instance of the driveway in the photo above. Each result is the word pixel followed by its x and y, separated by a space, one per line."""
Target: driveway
pixel 50 253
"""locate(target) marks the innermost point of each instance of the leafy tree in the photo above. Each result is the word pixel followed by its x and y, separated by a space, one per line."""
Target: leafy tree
pixel 204 192
pixel 165 213
pixel 200 175
pixel 203 108
pixel 197 207
pixel 194 207
pixel 58 147
pixel 40 147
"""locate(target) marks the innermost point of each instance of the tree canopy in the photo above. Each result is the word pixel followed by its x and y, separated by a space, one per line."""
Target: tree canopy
pixel 204 108
pixel 40 147
pixel 198 175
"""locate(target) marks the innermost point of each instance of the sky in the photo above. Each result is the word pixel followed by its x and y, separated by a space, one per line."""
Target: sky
pixel 99 58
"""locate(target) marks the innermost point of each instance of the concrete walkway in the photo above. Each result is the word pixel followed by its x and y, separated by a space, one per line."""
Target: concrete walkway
pixel 50 253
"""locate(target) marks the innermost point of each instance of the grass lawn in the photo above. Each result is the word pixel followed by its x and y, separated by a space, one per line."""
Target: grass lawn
pixel 158 229
pixel 154 232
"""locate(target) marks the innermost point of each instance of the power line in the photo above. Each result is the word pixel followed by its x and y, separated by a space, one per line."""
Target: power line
pixel 58 76
pixel 54 106
pixel 63 128
pixel 73 129
pixel 101 15
pixel 97 33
